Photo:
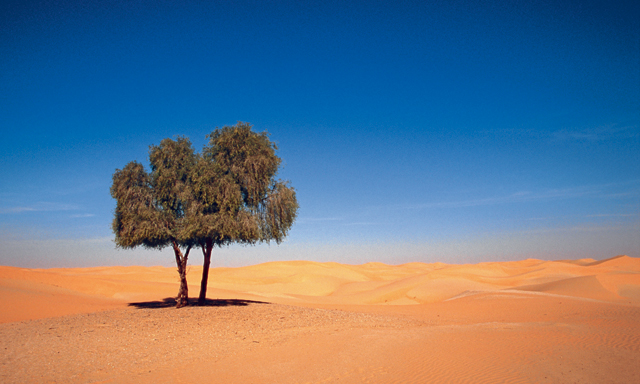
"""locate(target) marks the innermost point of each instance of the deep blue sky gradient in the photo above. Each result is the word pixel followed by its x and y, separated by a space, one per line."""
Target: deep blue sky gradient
pixel 447 125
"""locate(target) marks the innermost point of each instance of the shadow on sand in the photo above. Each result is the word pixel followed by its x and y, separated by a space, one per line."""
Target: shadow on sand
pixel 169 302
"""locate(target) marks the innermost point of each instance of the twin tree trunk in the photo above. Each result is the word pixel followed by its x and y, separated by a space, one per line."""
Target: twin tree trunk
pixel 206 251
pixel 181 260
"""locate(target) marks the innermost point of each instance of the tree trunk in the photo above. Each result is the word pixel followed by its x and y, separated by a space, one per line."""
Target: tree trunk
pixel 206 251
pixel 181 260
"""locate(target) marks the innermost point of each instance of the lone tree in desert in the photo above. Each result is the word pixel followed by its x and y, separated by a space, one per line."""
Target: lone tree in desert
pixel 228 194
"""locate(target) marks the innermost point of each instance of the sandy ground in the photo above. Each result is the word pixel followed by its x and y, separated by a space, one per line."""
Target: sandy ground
pixel 529 321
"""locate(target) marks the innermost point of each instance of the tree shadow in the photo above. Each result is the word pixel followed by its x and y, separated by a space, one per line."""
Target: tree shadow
pixel 169 302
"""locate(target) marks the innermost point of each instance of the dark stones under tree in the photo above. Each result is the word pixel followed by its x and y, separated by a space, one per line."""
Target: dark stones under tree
pixel 227 194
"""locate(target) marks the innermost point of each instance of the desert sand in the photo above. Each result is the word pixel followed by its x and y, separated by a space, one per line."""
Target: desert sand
pixel 529 321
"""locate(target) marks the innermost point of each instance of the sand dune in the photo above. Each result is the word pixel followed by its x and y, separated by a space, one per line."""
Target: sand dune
pixel 612 280
pixel 521 322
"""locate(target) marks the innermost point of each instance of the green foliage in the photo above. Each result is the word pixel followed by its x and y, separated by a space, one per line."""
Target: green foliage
pixel 172 163
pixel 137 220
pixel 279 212
pixel 226 194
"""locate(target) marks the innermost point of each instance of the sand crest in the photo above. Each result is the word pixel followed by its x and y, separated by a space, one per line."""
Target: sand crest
pixel 528 321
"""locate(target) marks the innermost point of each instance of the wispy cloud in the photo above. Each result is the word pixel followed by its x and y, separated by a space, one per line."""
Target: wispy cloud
pixel 594 191
pixel 337 220
pixel 576 228
pixel 307 220
pixel 602 133
pixel 39 207
pixel 522 196
pixel 614 215
pixel 80 216
pixel 357 223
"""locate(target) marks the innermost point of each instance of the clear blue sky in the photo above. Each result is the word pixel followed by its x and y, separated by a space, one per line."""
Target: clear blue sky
pixel 452 131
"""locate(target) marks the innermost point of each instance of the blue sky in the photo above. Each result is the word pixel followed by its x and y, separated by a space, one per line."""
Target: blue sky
pixel 451 131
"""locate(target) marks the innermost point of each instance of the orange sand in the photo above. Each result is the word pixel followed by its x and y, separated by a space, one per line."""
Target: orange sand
pixel 527 321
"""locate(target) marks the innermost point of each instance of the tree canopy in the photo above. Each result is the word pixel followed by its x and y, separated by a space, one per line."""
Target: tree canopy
pixel 226 194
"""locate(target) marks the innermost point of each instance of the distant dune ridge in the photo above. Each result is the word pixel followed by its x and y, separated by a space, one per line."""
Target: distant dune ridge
pixel 585 310
pixel 615 280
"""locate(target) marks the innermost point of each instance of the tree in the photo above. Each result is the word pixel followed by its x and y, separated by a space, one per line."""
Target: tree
pixel 152 210
pixel 228 194
pixel 238 198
